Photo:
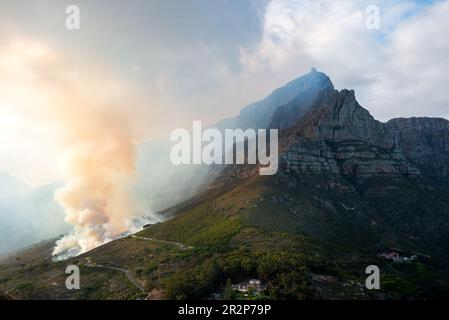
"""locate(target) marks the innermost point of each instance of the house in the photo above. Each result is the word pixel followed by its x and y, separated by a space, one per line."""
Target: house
pixel 240 287
pixel 395 257
pixel 254 283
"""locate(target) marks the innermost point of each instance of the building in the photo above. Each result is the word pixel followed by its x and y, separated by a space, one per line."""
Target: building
pixel 395 257
pixel 255 283
pixel 252 285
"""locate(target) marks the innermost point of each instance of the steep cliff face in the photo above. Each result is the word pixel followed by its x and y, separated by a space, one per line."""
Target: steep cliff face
pixel 340 137
pixel 424 142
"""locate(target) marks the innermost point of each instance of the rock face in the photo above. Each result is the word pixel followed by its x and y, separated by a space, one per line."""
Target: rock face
pixel 424 142
pixel 340 137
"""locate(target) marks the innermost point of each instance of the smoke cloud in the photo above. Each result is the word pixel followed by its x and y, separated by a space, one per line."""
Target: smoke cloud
pixel 98 168
pixel 89 120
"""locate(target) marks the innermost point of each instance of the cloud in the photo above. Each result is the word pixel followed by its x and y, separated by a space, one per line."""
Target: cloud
pixel 398 70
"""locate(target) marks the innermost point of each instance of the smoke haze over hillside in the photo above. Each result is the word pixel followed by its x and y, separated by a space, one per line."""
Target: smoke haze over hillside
pixel 82 116
pixel 74 105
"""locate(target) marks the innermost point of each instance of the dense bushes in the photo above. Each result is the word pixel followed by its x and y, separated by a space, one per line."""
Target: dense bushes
pixel 284 273
pixel 195 284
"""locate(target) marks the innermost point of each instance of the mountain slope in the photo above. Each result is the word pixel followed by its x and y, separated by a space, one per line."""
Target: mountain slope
pixel 27 214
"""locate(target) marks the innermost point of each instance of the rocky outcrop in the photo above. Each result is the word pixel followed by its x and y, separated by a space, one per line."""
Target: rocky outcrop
pixel 425 143
pixel 340 137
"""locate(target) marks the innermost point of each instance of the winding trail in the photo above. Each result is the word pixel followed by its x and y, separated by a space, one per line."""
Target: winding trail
pixel 177 244
pixel 127 273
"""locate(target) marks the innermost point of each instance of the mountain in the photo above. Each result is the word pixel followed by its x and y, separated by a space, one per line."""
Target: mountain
pixel 365 178
pixel 425 143
pixel 27 214
pixel 349 188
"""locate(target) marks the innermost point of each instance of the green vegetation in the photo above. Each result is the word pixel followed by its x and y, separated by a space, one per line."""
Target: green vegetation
pixel 302 242
pixel 285 274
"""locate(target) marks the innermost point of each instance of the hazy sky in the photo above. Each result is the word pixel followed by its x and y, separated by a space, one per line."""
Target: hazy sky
pixel 165 63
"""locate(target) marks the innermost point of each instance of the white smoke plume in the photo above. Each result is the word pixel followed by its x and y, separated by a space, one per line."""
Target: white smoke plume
pixel 79 118
pixel 98 167
pixel 99 171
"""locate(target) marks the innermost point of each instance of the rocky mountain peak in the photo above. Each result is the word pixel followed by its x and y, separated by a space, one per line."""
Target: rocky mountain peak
pixel 308 89
pixel 337 136
pixel 326 131
pixel 292 99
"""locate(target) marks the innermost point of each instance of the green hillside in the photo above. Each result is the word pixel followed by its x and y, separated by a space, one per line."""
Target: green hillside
pixel 301 242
